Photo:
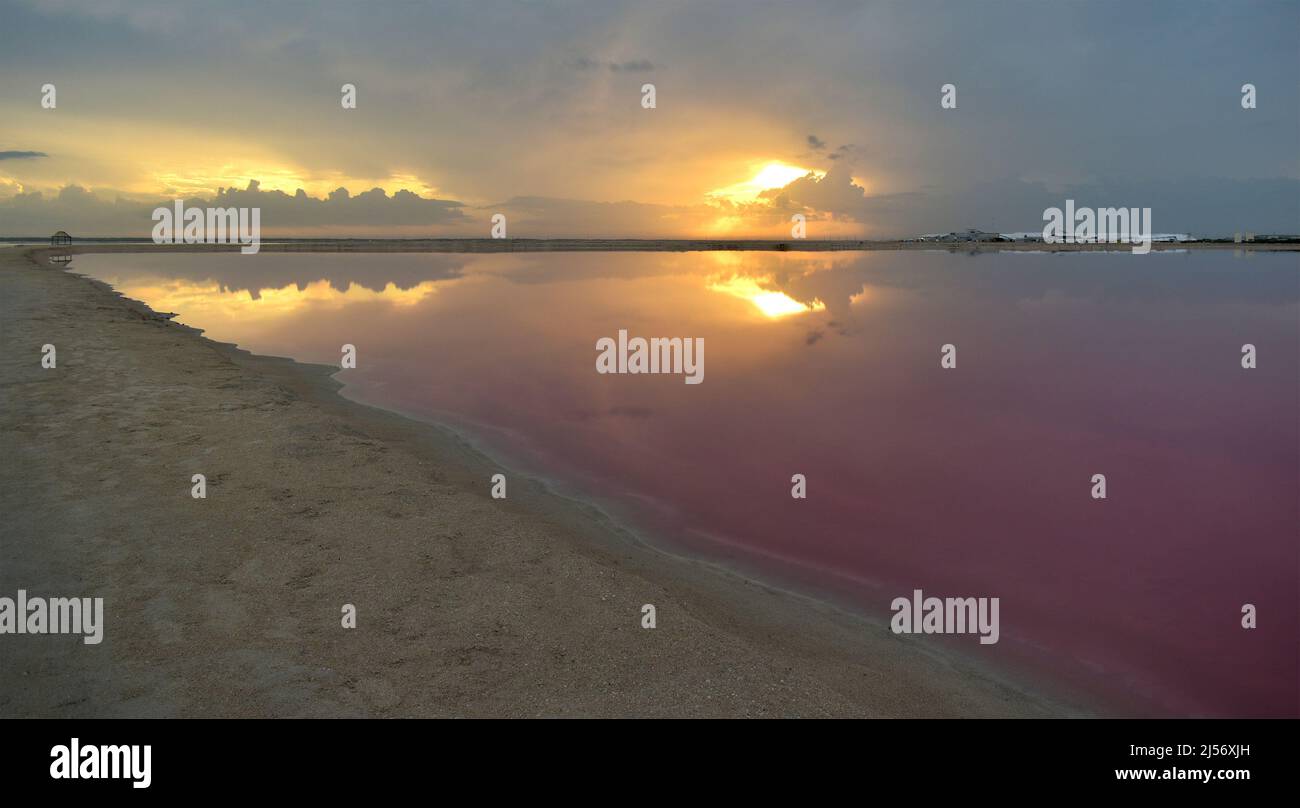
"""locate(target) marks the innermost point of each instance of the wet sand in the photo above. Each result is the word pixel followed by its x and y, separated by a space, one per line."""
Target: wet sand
pixel 466 605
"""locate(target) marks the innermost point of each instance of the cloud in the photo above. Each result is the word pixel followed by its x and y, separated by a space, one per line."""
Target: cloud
pixel 144 15
pixel 836 207
pixel 634 66
pixel 833 193
pixel 1202 206
pixel 483 99
pixel 639 66
pixel 21 155
pixel 373 212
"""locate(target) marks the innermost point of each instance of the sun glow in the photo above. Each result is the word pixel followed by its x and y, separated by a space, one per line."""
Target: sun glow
pixel 771 304
pixel 774 174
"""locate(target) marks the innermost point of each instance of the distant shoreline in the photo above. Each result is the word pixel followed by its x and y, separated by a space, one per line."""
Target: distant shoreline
pixel 527 245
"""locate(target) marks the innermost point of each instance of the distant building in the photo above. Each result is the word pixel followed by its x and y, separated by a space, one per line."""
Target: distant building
pixel 60 239
pixel 966 235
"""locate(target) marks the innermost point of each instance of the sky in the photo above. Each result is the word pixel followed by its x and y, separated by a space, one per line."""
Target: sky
pixel 535 110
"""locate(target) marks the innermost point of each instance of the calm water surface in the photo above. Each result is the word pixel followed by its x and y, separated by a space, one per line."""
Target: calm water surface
pixel 974 481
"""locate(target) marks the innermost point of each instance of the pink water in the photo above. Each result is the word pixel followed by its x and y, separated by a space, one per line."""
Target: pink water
pixel 972 481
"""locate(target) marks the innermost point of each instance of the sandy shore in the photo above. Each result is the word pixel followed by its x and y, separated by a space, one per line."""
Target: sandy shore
pixel 467 606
